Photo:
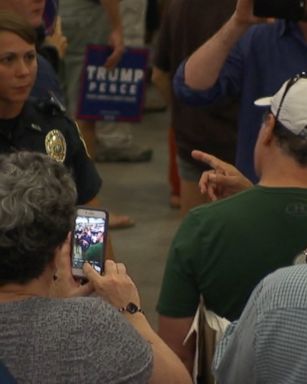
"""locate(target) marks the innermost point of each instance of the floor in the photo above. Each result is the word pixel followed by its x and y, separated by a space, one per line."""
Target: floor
pixel 141 191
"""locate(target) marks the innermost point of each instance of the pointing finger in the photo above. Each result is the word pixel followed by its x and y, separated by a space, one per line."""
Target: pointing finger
pixel 211 160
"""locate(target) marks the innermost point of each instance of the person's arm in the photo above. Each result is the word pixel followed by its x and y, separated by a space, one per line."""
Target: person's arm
pixel 118 289
pixel 116 38
pixel 57 39
pixel 235 358
pixel 163 82
pixel 223 180
pixel 204 65
pixel 180 293
pixel 168 368
pixel 173 331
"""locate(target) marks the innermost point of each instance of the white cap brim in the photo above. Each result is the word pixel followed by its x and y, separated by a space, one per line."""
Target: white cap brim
pixel 291 110
pixel 264 101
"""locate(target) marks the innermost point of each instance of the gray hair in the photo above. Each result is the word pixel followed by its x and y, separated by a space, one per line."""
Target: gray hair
pixel 37 206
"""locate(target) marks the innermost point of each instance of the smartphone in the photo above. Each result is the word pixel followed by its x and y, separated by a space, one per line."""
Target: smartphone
pixel 89 239
pixel 281 9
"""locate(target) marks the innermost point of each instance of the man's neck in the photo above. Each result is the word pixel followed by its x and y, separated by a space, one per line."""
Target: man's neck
pixel 284 175
pixel 277 168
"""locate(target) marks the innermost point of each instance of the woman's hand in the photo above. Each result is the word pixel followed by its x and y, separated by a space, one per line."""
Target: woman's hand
pixel 64 284
pixel 57 39
pixel 117 43
pixel 244 14
pixel 115 286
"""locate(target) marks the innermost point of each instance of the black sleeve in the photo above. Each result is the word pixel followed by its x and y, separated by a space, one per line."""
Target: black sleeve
pixel 51 54
pixel 86 176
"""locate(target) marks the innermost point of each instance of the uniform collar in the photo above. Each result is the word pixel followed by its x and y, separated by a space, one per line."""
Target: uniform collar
pixel 26 119
pixel 283 27
pixel 289 27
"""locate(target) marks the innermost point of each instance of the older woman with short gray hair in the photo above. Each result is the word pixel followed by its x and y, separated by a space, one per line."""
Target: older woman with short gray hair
pixel 49 333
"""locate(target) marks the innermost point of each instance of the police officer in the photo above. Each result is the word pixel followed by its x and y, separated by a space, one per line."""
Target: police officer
pixel 37 126
pixel 43 127
pixel 46 78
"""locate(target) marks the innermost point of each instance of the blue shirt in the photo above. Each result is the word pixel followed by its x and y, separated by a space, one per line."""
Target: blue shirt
pixel 265 57
pixel 269 343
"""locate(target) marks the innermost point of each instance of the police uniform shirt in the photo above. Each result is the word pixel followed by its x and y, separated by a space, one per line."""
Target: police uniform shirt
pixel 43 127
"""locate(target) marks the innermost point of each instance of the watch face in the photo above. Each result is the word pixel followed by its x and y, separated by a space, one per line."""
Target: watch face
pixel 132 308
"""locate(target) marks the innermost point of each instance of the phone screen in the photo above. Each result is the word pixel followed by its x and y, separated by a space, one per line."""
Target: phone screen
pixel 89 240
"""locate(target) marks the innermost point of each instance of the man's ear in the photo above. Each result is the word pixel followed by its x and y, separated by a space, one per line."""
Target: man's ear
pixel 268 127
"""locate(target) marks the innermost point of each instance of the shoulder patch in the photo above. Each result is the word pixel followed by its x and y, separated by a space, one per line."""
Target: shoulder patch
pixel 52 105
pixel 57 103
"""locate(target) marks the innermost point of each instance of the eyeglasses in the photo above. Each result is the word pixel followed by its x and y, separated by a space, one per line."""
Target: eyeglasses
pixel 290 84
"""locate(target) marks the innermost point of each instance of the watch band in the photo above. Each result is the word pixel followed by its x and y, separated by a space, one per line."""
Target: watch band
pixel 131 308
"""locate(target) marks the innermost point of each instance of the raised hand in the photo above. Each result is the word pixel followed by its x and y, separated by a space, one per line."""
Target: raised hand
pixel 223 180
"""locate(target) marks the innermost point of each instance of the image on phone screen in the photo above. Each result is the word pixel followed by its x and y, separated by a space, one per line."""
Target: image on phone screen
pixel 89 240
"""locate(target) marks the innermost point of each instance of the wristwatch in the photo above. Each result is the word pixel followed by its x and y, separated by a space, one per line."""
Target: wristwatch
pixel 131 308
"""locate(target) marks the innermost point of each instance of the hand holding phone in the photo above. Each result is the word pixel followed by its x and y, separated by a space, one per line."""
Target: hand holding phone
pixel 89 239
pixel 115 286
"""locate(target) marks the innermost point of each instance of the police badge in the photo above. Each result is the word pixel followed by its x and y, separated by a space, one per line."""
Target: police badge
pixel 55 145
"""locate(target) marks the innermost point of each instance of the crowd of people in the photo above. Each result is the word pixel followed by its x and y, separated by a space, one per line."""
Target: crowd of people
pixel 243 220
pixel 88 244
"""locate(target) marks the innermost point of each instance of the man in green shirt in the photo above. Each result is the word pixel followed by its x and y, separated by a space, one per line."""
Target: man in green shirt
pixel 223 249
pixel 95 253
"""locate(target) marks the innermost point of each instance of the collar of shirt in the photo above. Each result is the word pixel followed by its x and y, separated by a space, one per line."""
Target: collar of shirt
pixel 30 119
pixel 291 28
pixel 13 130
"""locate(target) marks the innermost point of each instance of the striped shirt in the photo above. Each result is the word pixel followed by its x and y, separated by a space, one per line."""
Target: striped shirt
pixel 268 344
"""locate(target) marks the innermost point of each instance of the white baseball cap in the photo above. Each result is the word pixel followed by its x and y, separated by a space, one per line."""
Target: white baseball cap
pixel 289 104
